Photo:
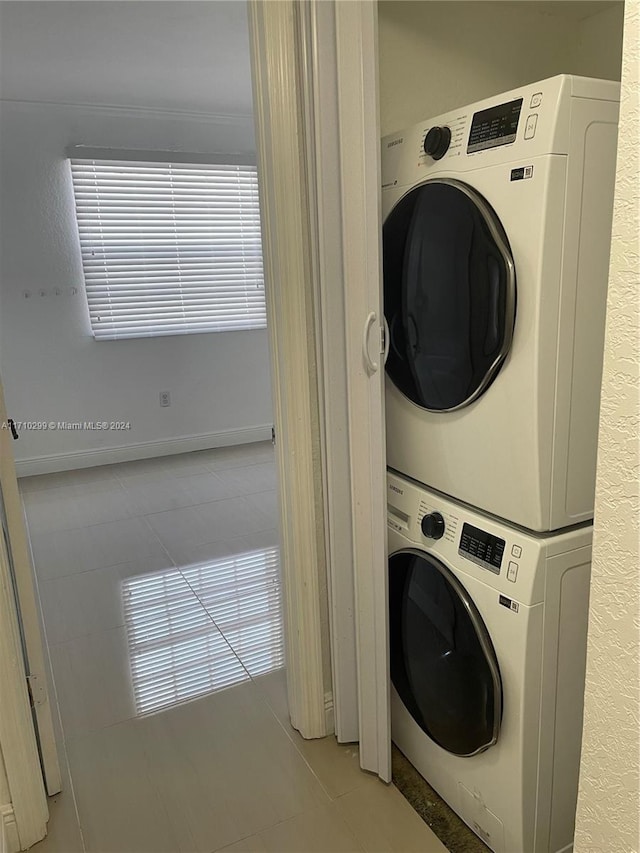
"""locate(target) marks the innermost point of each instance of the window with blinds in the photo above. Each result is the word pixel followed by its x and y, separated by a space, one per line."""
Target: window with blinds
pixel 169 248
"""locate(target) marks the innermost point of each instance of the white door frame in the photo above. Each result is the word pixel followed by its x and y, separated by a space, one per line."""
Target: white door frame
pixel 29 608
pixel 25 817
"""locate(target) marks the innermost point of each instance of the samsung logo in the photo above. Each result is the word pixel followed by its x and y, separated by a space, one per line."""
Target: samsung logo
pixel 396 489
pixel 395 142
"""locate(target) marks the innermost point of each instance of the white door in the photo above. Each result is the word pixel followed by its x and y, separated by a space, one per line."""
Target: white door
pixel 315 75
pixel 356 38
pixel 19 565
pixel 340 108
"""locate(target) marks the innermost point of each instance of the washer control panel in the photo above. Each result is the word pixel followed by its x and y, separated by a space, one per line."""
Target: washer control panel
pixel 503 557
pixel 481 547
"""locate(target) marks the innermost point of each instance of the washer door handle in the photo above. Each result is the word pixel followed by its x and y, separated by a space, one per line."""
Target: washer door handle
pixel 372 366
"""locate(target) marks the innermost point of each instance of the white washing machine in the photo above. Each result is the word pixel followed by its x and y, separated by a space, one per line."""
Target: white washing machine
pixel 488 631
pixel 496 254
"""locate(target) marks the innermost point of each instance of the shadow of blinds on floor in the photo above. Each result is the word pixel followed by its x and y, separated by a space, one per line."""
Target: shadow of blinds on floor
pixel 202 628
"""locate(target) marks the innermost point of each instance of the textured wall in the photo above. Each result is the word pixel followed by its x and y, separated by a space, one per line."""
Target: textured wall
pixel 607 818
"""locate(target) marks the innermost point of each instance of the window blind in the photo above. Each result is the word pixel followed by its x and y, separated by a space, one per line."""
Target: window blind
pixel 169 248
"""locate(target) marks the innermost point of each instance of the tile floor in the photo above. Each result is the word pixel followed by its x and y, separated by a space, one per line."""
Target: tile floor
pixel 160 594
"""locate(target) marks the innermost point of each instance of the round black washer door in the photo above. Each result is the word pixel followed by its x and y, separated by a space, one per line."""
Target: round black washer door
pixel 449 294
pixel 443 664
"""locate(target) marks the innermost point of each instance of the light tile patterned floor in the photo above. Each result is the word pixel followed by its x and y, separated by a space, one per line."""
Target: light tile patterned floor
pixel 159 583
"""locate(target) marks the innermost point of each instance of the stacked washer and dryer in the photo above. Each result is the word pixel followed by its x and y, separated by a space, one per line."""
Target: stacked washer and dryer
pixel 496 237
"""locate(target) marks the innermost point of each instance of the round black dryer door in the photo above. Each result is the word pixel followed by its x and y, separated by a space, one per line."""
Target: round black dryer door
pixel 449 294
pixel 443 664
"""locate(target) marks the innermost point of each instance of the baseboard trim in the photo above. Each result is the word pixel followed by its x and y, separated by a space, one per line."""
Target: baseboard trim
pixel 145 450
pixel 9 839
pixel 329 715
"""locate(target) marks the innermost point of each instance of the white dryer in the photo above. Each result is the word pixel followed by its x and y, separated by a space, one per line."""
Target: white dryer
pixel 496 235
pixel 488 631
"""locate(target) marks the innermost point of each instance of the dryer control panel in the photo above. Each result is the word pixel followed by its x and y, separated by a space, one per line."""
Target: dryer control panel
pixel 494 126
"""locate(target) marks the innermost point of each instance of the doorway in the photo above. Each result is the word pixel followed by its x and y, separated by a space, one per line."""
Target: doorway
pixel 129 635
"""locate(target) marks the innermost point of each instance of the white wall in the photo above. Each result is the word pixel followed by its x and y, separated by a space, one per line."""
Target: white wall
pixel 52 369
pixel 435 56
pixel 607 818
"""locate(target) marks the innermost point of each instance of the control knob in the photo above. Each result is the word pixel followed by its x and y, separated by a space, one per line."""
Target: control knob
pixel 433 525
pixel 437 141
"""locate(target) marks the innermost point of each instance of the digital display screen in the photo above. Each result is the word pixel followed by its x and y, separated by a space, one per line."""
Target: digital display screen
pixel 495 126
pixel 481 547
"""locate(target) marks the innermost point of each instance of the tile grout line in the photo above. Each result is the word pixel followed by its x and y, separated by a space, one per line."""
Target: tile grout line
pixel 201 603
pixel 266 701
pixel 133 516
pixel 23 481
pixel 100 568
pixel 216 626
pixel 204 503
pixel 259 832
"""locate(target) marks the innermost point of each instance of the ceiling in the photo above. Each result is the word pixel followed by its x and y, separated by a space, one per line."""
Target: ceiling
pixel 173 54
